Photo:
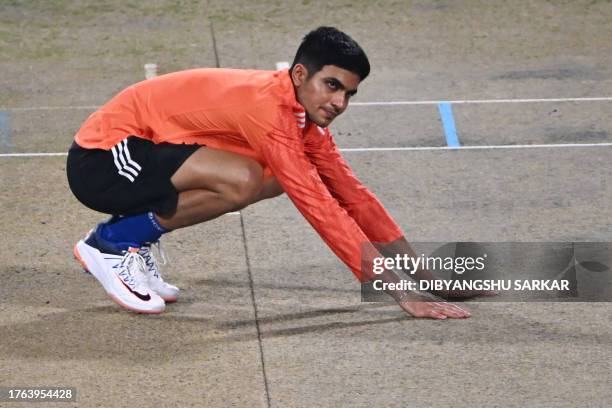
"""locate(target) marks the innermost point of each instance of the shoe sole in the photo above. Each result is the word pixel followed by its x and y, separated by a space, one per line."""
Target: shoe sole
pixel 81 258
pixel 77 256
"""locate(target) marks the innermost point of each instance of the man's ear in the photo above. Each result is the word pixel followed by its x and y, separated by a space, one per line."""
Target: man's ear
pixel 299 74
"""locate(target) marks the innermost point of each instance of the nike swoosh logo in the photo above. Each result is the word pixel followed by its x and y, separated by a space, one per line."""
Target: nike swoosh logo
pixel 146 297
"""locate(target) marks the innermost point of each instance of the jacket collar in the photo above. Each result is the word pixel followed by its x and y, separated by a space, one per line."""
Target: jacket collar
pixel 290 99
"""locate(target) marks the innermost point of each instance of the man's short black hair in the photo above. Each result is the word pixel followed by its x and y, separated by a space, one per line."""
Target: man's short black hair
pixel 330 46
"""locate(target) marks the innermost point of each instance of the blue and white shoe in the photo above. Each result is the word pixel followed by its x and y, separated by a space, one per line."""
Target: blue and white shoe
pixel 153 273
pixel 122 273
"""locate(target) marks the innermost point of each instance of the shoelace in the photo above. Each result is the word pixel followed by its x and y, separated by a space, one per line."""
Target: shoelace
pixel 132 268
pixel 150 259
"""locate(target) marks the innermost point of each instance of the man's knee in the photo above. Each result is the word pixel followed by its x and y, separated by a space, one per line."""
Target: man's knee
pixel 246 184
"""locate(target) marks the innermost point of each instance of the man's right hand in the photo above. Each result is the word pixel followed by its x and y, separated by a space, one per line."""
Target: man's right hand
pixel 433 310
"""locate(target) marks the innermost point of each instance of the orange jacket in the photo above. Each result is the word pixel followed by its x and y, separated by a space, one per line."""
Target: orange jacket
pixel 255 114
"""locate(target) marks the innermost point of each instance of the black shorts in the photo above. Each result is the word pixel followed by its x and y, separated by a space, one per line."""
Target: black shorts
pixel 131 178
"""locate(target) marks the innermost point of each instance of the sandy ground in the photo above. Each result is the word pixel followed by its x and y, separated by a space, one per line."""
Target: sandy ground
pixel 268 316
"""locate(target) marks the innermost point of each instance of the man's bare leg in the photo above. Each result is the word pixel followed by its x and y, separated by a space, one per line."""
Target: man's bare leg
pixel 269 189
pixel 213 182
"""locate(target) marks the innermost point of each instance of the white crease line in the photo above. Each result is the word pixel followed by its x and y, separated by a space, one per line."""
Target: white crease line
pixel 416 148
pixel 482 101
pixel 375 103
pixel 394 149
pixel 32 154
pixel 34 108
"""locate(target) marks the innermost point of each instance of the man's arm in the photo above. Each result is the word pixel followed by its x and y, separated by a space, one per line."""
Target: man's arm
pixel 276 137
pixel 361 204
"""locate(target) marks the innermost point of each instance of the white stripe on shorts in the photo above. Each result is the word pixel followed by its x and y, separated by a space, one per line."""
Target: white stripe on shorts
pixel 123 161
pixel 122 154
pixel 129 158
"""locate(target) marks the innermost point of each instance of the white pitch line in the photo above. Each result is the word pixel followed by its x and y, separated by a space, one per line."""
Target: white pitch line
pixel 524 146
pixel 375 103
pixel 482 101
pixel 34 108
pixel 32 154
pixel 397 149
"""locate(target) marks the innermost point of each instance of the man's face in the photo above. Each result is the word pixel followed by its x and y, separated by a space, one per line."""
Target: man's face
pixel 325 94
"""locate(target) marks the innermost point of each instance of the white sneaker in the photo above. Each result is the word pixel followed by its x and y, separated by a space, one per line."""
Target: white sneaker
pixel 152 271
pixel 121 273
